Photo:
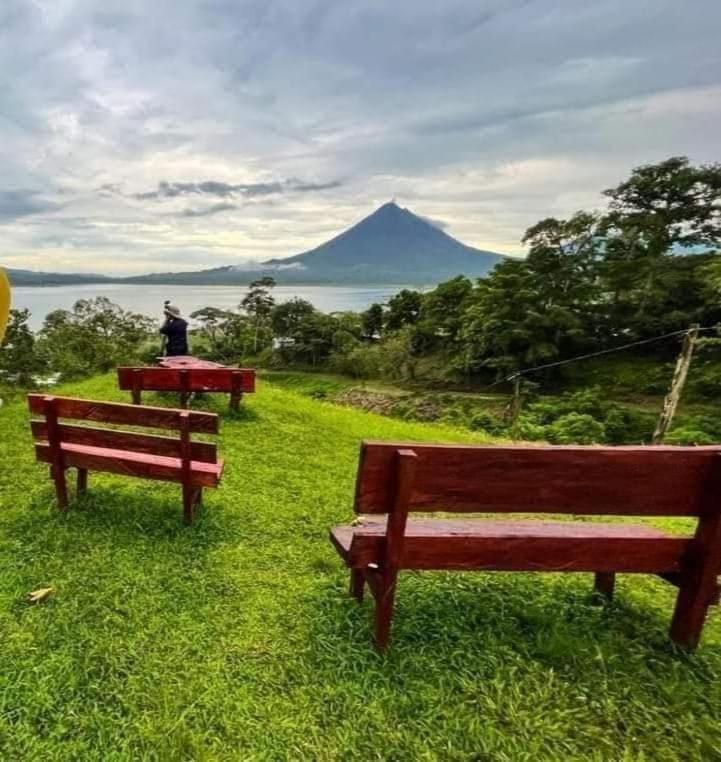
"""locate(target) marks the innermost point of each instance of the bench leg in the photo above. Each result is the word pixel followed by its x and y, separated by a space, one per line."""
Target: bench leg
pixel 604 584
pixel 357 584
pixel 235 400
pixel 188 504
pixel 184 400
pixel 61 487
pixel 692 603
pixel 384 609
pixel 82 481
pixel 137 397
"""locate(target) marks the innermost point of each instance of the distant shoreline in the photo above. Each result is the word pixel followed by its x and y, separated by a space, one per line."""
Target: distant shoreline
pixel 123 282
pixel 147 299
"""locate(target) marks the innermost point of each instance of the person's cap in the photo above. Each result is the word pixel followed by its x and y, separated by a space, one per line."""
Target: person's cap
pixel 172 310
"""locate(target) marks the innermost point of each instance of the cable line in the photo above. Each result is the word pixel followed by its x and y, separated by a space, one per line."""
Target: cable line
pixel 590 355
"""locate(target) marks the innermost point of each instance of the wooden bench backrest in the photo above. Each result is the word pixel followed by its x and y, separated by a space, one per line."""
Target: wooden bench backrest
pixel 232 380
pixel 633 481
pixel 118 413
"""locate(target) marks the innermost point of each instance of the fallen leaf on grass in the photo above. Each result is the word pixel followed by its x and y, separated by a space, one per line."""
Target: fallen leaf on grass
pixel 41 594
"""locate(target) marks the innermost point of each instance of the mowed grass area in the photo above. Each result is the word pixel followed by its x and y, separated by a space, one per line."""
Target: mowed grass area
pixel 235 638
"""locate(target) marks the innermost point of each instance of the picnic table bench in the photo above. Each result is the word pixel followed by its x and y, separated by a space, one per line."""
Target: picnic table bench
pixel 192 464
pixel 187 375
pixel 402 479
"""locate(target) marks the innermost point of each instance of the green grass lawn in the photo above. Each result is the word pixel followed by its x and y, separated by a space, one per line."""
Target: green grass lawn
pixel 235 638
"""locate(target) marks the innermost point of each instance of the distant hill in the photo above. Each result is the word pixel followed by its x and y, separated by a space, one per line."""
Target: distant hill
pixel 392 245
pixel 32 278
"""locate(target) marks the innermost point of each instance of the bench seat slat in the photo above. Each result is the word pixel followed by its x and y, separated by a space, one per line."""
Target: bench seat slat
pixel 478 544
pixel 132 463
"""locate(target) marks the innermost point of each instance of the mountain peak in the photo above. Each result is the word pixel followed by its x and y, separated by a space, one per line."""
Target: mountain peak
pixel 389 209
pixel 392 244
pixel 390 205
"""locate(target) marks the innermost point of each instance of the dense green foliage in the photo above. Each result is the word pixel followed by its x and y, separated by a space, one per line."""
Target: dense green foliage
pixel 19 360
pixel 236 639
pixel 592 282
pixel 585 416
pixel 95 336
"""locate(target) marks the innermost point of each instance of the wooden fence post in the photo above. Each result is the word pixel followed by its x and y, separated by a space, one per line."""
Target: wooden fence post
pixel 513 410
pixel 671 400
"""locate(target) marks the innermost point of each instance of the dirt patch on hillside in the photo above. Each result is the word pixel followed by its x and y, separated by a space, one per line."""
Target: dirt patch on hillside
pixel 373 402
pixel 400 406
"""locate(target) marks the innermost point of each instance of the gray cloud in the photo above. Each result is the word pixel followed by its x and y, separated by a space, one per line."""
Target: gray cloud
pixel 226 190
pixel 207 211
pixel 17 203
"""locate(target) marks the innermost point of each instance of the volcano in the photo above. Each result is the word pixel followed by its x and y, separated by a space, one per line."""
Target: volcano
pixel 392 245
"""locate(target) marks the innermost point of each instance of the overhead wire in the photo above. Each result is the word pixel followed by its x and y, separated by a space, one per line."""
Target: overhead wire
pixel 601 352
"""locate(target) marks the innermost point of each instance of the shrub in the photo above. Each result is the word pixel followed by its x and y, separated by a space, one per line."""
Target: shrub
pixel 625 426
pixel 707 423
pixel 95 336
pixel 482 422
pixel 576 428
pixel 529 429
pixel 689 436
pixel 364 361
pixel 707 381
pixel 454 416
pixel 586 401
pixel 19 362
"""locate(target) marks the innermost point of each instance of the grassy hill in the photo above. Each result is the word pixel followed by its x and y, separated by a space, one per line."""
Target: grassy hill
pixel 235 638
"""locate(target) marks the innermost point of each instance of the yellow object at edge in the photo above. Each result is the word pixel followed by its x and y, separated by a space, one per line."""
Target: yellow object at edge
pixel 4 303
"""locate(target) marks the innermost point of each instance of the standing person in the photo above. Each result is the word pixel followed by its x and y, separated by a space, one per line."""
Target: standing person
pixel 175 332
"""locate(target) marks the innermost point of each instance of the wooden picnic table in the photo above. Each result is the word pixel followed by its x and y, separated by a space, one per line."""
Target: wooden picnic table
pixel 188 375
pixel 187 361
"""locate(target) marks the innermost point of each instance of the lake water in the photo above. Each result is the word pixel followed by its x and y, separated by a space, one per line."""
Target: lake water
pixel 148 300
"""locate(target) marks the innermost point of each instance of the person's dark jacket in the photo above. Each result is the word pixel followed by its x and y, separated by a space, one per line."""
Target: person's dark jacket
pixel 176 331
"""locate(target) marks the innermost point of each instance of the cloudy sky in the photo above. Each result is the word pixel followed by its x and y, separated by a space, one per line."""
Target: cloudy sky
pixel 179 134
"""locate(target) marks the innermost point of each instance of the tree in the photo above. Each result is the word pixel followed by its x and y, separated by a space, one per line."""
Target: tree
pixel 372 321
pixel 442 309
pixel 315 337
pixel 258 304
pixel 237 336
pixel 494 334
pixel 287 318
pixel 668 204
pixel 403 309
pixel 533 311
pixel 398 356
pixel 19 362
pixel 563 257
pixel 212 321
pixel 96 336
pixel 660 209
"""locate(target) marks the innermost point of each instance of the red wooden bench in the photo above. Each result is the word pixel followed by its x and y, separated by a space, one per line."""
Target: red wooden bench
pixel 398 479
pixel 186 380
pixel 63 445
